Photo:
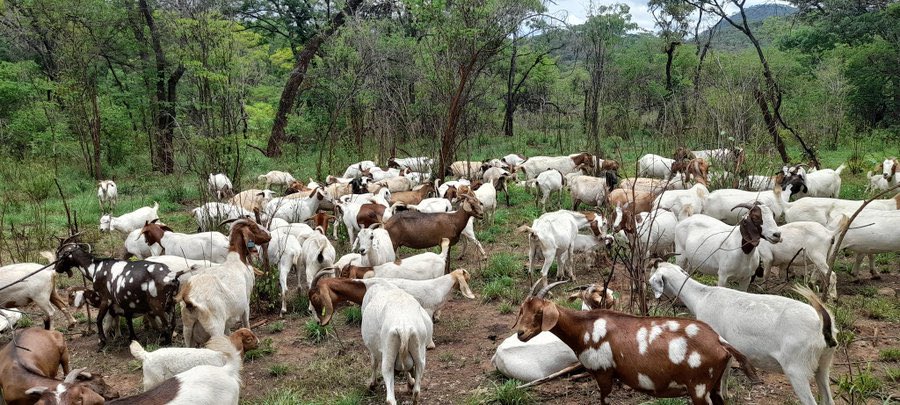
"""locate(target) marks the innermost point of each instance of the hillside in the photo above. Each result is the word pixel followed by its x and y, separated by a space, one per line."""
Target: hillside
pixel 729 38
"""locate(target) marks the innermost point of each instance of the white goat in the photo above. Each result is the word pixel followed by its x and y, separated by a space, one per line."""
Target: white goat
pixel 591 190
pixel 374 245
pixel 107 194
pixel 285 250
pixel 295 210
pixel 162 364
pixel 655 166
pixel 513 160
pixel 416 164
pixel 565 164
pixel 823 210
pixel 804 243
pixel 130 221
pixel 220 186
pixel 721 155
pixel 252 199
pixel 822 183
pixel 395 184
pixel 756 325
pixel 443 187
pixel 433 293
pixel 653 233
pixel 40 289
pixel 720 203
pixel 877 182
pixel 683 203
pixel 713 247
pixel 316 254
pixel 870 233
pixel 9 318
pixel 548 182
pixel 423 266
pixel 276 177
pixel 212 246
pixel 355 170
pixel 136 245
pixel 396 330
pixel 553 235
pixel 487 195
pixel 211 214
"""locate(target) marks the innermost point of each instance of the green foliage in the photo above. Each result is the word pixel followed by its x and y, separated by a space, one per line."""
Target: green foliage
pixel 280 370
pixel 889 354
pixel 265 349
pixel 864 384
pixel 507 394
pixel 316 333
pixel 352 315
pixel 276 326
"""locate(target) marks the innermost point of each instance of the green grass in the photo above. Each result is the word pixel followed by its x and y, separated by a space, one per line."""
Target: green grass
pixel 864 384
pixel 280 370
pixel 501 288
pixel 316 333
pixel 890 354
pixel 352 315
pixel 276 327
pixel 506 394
pixel 265 349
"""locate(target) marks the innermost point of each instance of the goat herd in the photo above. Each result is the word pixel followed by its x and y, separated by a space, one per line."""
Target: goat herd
pixel 729 232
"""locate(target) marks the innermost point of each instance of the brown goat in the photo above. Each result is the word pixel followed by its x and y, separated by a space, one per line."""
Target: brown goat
pixel 321 220
pixel 370 214
pixel 662 357
pixel 682 153
pixel 325 294
pixel 593 296
pixel 33 360
pixel 420 230
pixel 413 197
pixel 641 200
pixel 697 169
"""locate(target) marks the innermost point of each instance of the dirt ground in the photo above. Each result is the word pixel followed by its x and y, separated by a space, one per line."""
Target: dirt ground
pixel 459 369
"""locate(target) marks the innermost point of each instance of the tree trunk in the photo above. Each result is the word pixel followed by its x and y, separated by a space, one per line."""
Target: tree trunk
pixel 510 92
pixel 670 54
pixel 95 136
pixel 298 74
pixel 771 125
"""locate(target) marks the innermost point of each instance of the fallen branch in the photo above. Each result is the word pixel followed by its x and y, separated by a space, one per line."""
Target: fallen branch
pixel 572 367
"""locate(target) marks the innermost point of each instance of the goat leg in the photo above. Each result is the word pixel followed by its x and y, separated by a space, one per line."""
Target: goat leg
pixel 101 313
pixel 128 320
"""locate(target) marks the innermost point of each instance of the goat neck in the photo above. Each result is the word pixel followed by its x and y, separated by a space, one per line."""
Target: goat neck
pixel 333 291
pixel 245 237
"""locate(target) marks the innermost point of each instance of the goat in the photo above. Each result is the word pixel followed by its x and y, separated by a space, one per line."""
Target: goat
pixel 316 253
pixel 822 183
pixel 107 194
pixel 877 182
pixel 412 197
pixel 416 164
pixel 553 234
pixel 655 166
pixel 663 357
pixel 721 155
pixel 423 266
pixel 814 240
pixel 220 186
pixel 651 233
pixel 33 359
pixel 683 203
pixel 162 364
pixel 295 210
pixel 654 186
pixel 123 288
pixel 438 205
pixel 487 196
pixel 276 177
pixel 640 201
pixel 592 190
pixel 252 199
pixel 285 250
pixel 875 232
pixel 719 203
pixel 394 184
pixel 356 170
pixel 513 160
pixel 713 247
pixel 130 221
pixel 548 182
pixel 565 164
pixel 212 246
pixel 755 324
pixel 465 169
pixel 694 169
pixel 374 245
pixel 396 331
pixel 823 210
pixel 136 246
pixel 222 293
pixel 40 289
pixel 419 230
pixel 8 318
pixel 211 214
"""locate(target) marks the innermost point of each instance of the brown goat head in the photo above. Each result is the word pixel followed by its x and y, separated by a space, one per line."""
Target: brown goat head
pixel 583 158
pixel 243 340
pixel 153 232
pixel 751 227
pixel 471 205
pixel 245 236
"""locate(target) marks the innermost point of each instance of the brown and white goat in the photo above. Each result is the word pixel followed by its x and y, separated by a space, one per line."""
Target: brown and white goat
pixel 641 201
pixel 696 169
pixel 321 220
pixel 420 230
pixel 32 360
pixel 413 197
pixel 662 357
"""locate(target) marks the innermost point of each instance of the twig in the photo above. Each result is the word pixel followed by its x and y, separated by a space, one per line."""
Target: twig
pixel 570 368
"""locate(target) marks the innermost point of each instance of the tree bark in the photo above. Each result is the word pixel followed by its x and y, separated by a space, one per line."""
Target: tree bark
pixel 771 125
pixel 511 102
pixel 670 55
pixel 298 74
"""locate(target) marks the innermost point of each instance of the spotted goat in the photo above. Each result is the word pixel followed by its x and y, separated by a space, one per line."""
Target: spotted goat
pixel 662 357
pixel 123 288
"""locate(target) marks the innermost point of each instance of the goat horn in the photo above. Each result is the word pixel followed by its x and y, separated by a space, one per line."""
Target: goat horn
pixel 70 378
pixel 547 289
pixel 579 288
pixel 743 205
pixel 535 287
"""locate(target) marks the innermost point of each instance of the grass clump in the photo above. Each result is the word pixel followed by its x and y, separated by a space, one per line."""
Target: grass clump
pixel 275 327
pixel 860 386
pixel 352 315
pixel 281 396
pixel 265 349
pixel 278 370
pixel 316 333
pixel 508 393
pixel 890 354
pixel 501 288
pixel 505 308
pixel 502 264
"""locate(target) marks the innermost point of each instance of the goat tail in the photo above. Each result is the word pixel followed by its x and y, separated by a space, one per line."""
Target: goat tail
pixel 155 206
pixel 404 335
pixel 746 367
pixel 524 228
pixel 50 256
pixel 840 168
pixel 137 351
pixel 822 311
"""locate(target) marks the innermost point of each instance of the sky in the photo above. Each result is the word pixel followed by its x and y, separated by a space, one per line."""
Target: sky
pixel 575 11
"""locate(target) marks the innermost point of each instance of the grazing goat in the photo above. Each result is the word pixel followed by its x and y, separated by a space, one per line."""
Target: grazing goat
pixel 396 330
pixel 423 266
pixel 412 197
pixel 220 186
pixel 107 194
pixel 374 245
pixel 654 186
pixel 714 247
pixel 802 243
pixel 592 190
pixel 683 203
pixel 513 160
pixel 276 177
pixel 651 233
pixel 823 210
pixel 8 318
pixel 419 230
pixel 356 170
pixel 394 184
pixel 136 246
pixel 548 182
pixel 252 199
pixel 639 201
pixel 720 203
pixel 130 221
pixel 662 357
pixel 694 169
pixel 655 166
pixel 123 288
pixel 212 246
pixel 211 214
pixel 721 155
pixel 466 170
pixel 221 294
pixel 40 289
pixel 32 360
pixel 756 324
pixel 295 210
pixel 162 364
pixel 870 233
pixel 285 250
pixel 316 253
pixel 553 234
pixel 565 164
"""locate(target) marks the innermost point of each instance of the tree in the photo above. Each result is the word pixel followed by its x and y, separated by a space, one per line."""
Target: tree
pixel 515 80
pixel 298 74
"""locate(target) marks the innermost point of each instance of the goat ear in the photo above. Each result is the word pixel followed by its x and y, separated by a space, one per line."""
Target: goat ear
pixel 35 391
pixel 550 316
pixel 750 234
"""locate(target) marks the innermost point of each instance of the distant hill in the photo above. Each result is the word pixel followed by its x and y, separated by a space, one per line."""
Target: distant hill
pixel 728 37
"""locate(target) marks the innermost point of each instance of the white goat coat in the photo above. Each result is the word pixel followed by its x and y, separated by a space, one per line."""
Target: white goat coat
pixel 538 164
pixel 252 199
pixel 276 177
pixel 396 330
pixel 107 192
pixel 130 221
pixel 212 246
pixel 221 296
pixel 719 204
pixel 431 294
pixel 164 363
pixel 823 210
pixel 423 266
pixel 655 232
pixel 211 214
pixel 683 203
pixel 209 385
pixel 775 333
pixel 136 245
pixel 219 185
pixel 316 253
pixel 548 182
pixel 655 166
pixel 589 190
pixel 823 183
pixel 294 209
pixel 553 234
pixel 375 246
pixel 537 358
pixel 416 164
pixel 816 242
pixel 36 289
